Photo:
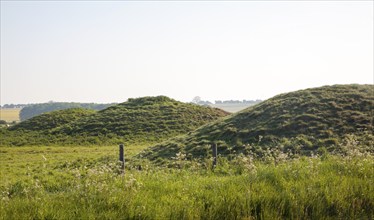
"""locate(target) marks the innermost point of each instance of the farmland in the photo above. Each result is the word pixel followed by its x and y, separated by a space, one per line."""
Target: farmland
pixel 9 114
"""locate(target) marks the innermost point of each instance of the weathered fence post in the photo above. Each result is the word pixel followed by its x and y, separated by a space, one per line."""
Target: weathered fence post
pixel 122 158
pixel 214 150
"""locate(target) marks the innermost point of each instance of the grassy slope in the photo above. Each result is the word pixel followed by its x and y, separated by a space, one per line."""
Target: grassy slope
pixel 145 119
pixel 307 118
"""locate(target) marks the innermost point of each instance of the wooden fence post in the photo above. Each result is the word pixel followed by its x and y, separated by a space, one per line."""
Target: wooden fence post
pixel 122 158
pixel 214 150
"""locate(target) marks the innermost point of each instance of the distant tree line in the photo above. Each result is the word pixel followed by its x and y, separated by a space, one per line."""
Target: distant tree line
pixel 32 110
pixel 14 105
pixel 237 101
pixel 199 101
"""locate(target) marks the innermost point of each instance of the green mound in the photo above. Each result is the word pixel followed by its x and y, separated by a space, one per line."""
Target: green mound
pixel 300 121
pixel 143 119
pixel 51 120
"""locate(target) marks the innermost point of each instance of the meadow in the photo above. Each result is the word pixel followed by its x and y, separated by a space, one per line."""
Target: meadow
pixel 9 114
pixel 86 183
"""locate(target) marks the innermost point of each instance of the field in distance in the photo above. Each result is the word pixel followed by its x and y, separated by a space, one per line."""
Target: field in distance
pixel 10 114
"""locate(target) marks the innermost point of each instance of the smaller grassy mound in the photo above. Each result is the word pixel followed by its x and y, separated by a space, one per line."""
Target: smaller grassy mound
pixel 51 120
pixel 146 119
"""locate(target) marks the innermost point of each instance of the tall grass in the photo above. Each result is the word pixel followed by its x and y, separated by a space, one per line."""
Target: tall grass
pixel 329 187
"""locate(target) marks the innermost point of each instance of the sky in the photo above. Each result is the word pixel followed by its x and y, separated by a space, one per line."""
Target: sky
pixel 109 51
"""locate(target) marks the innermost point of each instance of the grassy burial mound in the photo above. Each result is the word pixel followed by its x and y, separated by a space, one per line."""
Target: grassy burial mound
pixel 144 119
pixel 300 122
pixel 51 120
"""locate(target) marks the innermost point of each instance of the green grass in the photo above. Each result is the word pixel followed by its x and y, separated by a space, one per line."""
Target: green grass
pixel 19 160
pixel 85 183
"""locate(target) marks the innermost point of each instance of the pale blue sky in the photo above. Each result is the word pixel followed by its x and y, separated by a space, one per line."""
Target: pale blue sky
pixel 97 51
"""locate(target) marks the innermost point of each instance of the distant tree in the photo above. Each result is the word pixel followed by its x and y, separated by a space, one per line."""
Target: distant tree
pixel 196 100
pixel 8 106
pixel 3 122
pixel 204 103
pixel 14 105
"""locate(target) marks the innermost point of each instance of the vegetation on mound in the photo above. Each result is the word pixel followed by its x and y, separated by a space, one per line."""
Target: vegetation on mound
pixel 33 110
pixel 51 120
pixel 146 120
pixel 300 121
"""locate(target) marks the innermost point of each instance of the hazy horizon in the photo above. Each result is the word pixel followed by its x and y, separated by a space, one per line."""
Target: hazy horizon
pixel 107 52
pixel 187 101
